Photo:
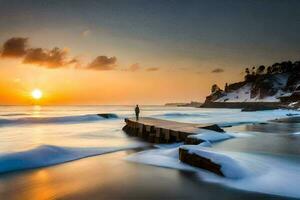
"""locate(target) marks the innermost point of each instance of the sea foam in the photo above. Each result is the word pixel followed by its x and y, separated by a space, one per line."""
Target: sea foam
pixel 61 119
pixel 46 155
pixel 276 175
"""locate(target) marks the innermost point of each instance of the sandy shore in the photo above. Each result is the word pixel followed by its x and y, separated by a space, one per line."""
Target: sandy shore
pixel 109 176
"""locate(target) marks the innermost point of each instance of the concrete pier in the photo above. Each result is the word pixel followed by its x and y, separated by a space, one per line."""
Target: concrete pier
pixel 164 131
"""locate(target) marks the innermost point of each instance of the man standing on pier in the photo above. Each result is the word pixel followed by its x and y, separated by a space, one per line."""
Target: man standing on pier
pixel 137 112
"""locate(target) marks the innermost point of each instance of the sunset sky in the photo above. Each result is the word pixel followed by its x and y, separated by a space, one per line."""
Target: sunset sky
pixel 146 52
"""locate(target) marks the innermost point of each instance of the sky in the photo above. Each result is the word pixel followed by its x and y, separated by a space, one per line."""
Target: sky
pixel 137 51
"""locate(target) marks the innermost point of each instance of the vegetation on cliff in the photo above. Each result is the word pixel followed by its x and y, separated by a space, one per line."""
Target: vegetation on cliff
pixel 280 81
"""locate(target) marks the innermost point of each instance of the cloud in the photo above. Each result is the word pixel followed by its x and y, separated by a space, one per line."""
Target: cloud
pixel 74 61
pixel 86 33
pixel 17 47
pixel 103 63
pixel 217 70
pixel 134 67
pixel 151 69
pixel 53 58
pixel 14 47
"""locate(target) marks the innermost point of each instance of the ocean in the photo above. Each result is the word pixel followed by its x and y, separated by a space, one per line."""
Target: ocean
pixel 264 154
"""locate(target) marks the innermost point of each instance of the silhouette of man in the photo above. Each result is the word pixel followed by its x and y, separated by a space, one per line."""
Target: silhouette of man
pixel 137 112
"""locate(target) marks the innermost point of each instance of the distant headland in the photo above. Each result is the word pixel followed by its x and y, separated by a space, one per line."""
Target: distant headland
pixel 263 87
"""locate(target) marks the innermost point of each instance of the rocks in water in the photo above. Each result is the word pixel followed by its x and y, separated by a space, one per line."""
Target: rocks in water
pixel 258 108
pixel 108 115
pixel 214 127
pixel 199 161
pixel 288 120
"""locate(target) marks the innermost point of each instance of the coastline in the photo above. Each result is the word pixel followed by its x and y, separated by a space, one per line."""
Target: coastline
pixel 109 176
pixel 113 176
pixel 246 106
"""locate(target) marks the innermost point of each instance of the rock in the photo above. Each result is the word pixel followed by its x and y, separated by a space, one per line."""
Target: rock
pixel 291 114
pixel 258 108
pixel 259 86
pixel 214 127
pixel 108 115
pixel 288 120
pixel 235 86
pixel 198 161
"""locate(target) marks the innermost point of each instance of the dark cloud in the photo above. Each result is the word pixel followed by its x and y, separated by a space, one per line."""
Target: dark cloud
pixel 48 58
pixel 14 47
pixel 217 70
pixel 103 63
pixel 151 69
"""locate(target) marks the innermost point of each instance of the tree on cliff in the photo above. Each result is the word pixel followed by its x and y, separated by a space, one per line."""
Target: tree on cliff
pixel 249 77
pixel 247 71
pixel 215 88
pixel 260 69
pixel 226 87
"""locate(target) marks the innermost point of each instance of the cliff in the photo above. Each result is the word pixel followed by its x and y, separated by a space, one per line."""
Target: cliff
pixel 279 83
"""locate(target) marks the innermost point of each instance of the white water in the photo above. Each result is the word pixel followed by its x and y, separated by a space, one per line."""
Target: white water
pixel 40 136
pixel 270 174
pixel 49 155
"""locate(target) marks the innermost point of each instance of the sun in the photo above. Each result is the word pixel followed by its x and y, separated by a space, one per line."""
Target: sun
pixel 37 94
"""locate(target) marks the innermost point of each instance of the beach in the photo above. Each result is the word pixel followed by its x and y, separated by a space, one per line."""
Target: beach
pixel 110 177
pixel 72 153
pixel 149 100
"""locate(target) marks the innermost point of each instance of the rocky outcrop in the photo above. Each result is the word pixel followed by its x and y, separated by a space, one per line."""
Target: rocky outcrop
pixel 234 86
pixel 288 120
pixel 265 86
pixel 243 105
pixel 199 161
pixel 213 127
pixel 216 93
pixel 108 115
pixel 261 85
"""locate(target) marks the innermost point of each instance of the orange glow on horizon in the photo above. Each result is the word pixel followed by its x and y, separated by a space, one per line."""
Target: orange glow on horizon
pixel 67 86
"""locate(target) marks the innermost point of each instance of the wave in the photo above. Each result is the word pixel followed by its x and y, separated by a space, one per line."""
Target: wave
pixel 167 158
pixel 47 155
pixel 62 119
pixel 231 124
pixel 14 114
pixel 178 114
pixel 244 171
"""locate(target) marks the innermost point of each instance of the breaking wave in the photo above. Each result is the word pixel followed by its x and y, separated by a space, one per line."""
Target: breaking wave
pixel 13 114
pixel 62 119
pixel 264 173
pixel 46 155
pixel 178 114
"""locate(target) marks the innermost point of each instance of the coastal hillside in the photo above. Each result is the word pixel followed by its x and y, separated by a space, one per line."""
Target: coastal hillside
pixel 279 82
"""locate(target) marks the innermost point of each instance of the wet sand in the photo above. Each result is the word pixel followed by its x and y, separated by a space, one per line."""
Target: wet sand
pixel 109 176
